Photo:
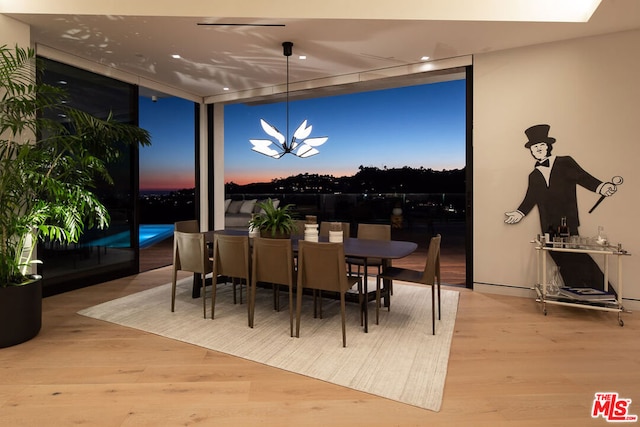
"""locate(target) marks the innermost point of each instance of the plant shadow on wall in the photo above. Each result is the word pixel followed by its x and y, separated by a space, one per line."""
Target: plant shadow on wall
pixel 48 169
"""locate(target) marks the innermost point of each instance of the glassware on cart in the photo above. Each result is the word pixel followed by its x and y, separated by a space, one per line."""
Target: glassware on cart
pixel 601 239
pixel 553 288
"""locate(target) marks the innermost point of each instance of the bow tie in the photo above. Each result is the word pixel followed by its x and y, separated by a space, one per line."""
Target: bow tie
pixel 544 163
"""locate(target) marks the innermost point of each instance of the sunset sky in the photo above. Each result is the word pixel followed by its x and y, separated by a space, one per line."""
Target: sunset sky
pixel 418 126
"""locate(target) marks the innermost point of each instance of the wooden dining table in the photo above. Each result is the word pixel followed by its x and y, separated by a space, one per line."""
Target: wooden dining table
pixel 364 249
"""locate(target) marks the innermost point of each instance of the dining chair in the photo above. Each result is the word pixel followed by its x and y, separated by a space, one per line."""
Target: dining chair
pixel 298 227
pixel 192 226
pixel 190 253
pixel 321 267
pixel 372 232
pixel 326 225
pixel 188 226
pixel 230 260
pixel 430 276
pixel 272 262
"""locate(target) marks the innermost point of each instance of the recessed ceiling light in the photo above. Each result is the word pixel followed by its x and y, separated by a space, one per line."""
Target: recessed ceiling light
pixel 175 56
pixel 424 58
pixel 302 57
pixel 225 88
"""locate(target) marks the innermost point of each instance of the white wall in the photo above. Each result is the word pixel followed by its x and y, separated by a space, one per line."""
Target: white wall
pixel 588 91
pixel 13 32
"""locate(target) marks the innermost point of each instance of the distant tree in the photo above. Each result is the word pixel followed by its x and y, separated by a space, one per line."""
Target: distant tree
pixel 368 179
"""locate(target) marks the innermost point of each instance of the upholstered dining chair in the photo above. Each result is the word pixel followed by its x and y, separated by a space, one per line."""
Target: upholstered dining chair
pixel 321 267
pixel 272 262
pixel 326 225
pixel 188 226
pixel 372 232
pixel 430 276
pixel 298 227
pixel 190 253
pixel 230 260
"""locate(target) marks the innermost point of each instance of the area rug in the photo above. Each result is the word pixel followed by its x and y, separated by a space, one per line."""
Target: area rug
pixel 398 359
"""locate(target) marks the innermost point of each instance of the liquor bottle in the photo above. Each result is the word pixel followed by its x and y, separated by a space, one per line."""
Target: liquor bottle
pixel 549 235
pixel 563 231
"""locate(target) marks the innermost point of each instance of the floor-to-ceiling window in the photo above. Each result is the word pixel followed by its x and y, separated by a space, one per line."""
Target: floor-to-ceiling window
pixel 167 175
pixel 400 150
pixel 113 252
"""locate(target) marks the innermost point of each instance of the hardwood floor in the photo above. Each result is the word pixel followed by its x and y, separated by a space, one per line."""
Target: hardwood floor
pixel 509 366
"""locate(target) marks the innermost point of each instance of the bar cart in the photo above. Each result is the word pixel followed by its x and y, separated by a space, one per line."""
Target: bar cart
pixel 601 302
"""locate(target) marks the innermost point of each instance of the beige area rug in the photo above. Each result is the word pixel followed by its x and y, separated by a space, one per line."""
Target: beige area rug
pixel 398 359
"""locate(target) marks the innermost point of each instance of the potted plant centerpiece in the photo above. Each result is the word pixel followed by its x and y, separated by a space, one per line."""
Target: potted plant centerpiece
pixel 273 222
pixel 47 172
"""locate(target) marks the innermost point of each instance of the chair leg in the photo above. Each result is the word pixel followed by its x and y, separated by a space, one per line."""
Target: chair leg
pixel 388 293
pixel 439 307
pixel 433 309
pixel 204 295
pixel 173 289
pixel 214 287
pixel 276 296
pixel 298 309
pixel 315 304
pixel 343 315
pixel 377 300
pixel 291 308
pixel 233 283
pixel 361 302
pixel 251 303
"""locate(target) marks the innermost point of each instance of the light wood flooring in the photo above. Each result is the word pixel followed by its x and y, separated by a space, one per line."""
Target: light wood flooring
pixel 509 366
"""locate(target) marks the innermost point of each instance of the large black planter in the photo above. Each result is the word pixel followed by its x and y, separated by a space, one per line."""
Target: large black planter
pixel 20 313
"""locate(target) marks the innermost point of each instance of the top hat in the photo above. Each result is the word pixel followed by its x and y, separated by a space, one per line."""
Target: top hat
pixel 538 134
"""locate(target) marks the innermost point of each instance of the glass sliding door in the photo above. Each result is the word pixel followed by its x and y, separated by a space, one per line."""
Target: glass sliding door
pixel 167 174
pixel 100 255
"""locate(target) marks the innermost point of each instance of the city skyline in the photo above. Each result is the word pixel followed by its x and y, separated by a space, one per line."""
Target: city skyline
pixel 417 126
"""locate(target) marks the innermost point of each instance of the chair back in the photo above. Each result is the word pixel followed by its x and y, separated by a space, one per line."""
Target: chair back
pixel 374 231
pixel 272 261
pixel 190 252
pixel 321 266
pixel 432 266
pixel 190 226
pixel 298 227
pixel 325 226
pixel 231 256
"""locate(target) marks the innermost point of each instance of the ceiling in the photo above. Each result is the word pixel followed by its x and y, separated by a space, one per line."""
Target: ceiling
pixel 249 60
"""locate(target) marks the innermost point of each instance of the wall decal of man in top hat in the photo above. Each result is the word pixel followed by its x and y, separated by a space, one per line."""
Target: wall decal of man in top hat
pixel 552 188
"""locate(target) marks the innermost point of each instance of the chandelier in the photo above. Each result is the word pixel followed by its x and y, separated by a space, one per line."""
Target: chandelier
pixel 299 145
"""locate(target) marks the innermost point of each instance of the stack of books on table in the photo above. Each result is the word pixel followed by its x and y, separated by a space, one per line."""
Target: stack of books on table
pixel 587 294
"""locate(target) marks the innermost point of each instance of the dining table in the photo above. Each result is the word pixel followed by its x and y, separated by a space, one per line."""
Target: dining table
pixel 364 249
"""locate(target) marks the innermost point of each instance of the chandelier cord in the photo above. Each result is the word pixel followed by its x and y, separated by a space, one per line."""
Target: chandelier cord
pixel 287 146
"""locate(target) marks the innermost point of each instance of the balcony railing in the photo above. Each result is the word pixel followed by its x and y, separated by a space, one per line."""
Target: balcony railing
pixel 417 208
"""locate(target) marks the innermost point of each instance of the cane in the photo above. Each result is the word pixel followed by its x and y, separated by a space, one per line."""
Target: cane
pixel 616 180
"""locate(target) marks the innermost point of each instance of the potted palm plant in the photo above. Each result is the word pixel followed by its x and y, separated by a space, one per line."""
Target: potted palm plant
pixel 47 172
pixel 272 221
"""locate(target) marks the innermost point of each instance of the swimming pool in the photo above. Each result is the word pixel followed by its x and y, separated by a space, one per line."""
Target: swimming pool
pixel 149 234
